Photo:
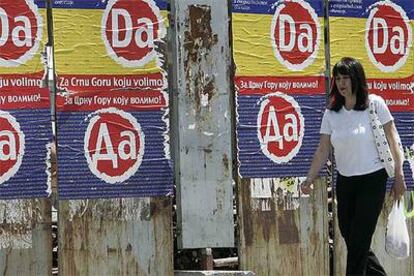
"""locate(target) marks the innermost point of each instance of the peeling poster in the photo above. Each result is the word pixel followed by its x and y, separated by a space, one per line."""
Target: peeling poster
pixel 382 35
pixel 25 127
pixel 113 102
pixel 279 56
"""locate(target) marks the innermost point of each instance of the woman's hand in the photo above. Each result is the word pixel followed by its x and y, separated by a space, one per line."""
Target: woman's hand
pixel 318 160
pixel 399 187
pixel 306 187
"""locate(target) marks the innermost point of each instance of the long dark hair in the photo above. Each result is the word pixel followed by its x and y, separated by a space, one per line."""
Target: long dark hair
pixel 352 68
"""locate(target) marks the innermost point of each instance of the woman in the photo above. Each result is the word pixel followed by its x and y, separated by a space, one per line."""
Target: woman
pixel 361 177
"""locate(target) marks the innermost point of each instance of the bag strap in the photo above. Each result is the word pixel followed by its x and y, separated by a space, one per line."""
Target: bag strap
pixel 381 140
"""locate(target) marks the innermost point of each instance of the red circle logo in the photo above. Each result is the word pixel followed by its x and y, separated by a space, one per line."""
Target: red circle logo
pixel 280 127
pixel 11 146
pixel 388 37
pixel 114 145
pixel 130 29
pixel 20 32
pixel 295 34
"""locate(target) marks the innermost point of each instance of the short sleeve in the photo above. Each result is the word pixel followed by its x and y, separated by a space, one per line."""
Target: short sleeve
pixel 325 125
pixel 384 114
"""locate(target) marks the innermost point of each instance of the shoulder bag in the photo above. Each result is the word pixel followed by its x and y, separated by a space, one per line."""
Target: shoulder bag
pixel 381 141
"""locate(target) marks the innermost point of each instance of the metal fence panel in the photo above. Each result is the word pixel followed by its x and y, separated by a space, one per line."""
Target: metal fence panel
pixel 203 140
pixel 26 238
pixel 280 233
pixel 112 130
pixel 116 237
pixel 280 86
pixel 112 123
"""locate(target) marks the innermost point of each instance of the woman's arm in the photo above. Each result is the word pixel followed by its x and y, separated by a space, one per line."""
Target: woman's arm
pixel 319 159
pixel 393 139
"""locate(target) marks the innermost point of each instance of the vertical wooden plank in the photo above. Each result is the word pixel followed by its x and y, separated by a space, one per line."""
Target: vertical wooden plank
pixel 282 233
pixel 25 237
pixel 116 237
pixel 391 265
pixel 203 153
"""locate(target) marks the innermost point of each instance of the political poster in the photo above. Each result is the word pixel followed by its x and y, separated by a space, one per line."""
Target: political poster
pixel 25 125
pixel 380 35
pixel 113 131
pixel 280 85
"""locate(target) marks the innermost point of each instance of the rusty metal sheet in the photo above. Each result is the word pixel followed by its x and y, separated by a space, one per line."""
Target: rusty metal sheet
pixel 282 233
pixel 391 265
pixel 116 237
pixel 202 120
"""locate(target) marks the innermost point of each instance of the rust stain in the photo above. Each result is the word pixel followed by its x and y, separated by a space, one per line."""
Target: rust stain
pixel 145 213
pixel 268 217
pixel 111 250
pixel 198 42
pixel 288 230
pixel 199 35
pixel 15 229
pixel 210 89
pixel 247 214
pixel 225 161
pixel 158 206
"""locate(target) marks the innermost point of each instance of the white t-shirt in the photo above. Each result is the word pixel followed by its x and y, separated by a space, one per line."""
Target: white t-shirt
pixel 352 139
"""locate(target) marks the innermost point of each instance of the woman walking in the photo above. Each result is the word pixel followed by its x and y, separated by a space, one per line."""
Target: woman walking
pixel 361 176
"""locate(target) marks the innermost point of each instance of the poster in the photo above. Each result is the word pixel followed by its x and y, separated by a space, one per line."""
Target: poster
pixel 25 127
pixel 280 85
pixel 113 102
pixel 380 35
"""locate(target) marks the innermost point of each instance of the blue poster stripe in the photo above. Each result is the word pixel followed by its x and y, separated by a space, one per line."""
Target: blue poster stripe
pixel 360 8
pixel 31 179
pixel 269 6
pixel 253 163
pixel 90 4
pixel 153 178
pixel 404 122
